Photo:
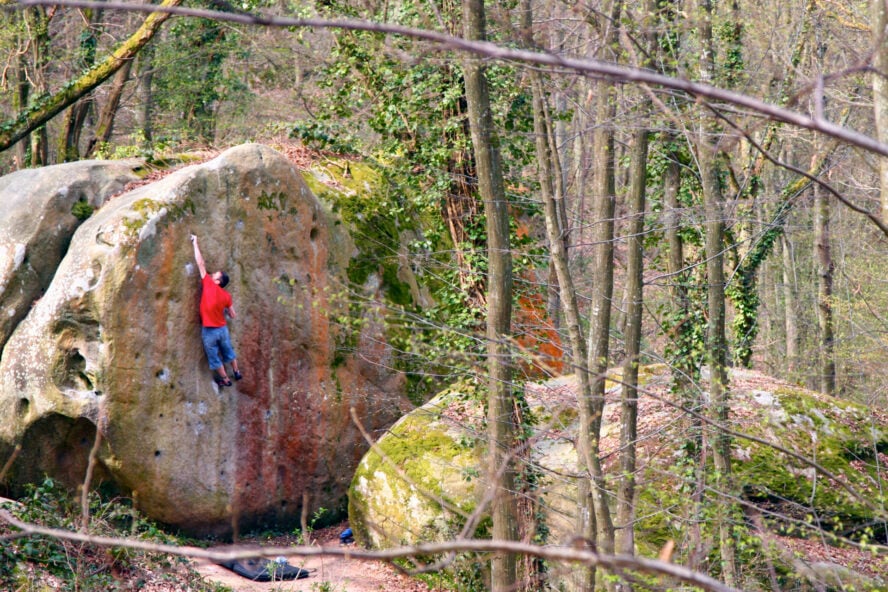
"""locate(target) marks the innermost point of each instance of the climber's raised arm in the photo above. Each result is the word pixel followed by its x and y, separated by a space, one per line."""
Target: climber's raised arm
pixel 198 257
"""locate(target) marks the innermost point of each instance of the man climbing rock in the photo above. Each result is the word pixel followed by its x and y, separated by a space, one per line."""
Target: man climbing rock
pixel 215 302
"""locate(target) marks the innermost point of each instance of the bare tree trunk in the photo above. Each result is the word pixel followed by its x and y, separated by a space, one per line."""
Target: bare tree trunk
pixel 37 23
pixel 145 75
pixel 20 99
pixel 582 170
pixel 599 330
pixel 672 222
pixel 499 303
pixel 69 141
pixel 683 329
pixel 879 20
pixel 707 141
pixel 634 289
pixel 559 164
pixel 824 293
pixel 673 208
pixel 590 498
pixel 790 306
pixel 773 360
pixel 822 244
pixel 764 283
pixel 683 370
pixel 717 351
pixel 625 535
pixel 552 201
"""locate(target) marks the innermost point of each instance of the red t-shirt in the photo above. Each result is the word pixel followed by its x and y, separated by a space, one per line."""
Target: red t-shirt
pixel 213 301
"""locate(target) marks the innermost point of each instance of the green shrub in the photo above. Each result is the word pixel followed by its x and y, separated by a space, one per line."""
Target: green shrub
pixel 82 210
pixel 44 562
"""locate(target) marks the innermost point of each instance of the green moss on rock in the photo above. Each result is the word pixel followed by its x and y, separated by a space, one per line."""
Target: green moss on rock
pixel 423 469
pixel 357 194
pixel 844 438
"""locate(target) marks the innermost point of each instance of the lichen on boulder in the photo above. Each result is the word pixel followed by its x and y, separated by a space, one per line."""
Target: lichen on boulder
pixel 825 475
pixel 418 482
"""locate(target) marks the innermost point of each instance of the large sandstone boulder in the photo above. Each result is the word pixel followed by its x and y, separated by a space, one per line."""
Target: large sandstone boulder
pixel 41 210
pixel 114 344
pixel 425 478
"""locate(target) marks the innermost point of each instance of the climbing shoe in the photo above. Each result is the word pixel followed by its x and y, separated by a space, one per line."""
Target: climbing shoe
pixel 222 381
pixel 238 375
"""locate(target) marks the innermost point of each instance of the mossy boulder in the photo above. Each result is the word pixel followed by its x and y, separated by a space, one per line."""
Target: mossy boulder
pixel 399 491
pixel 113 347
pixel 380 226
pixel 419 482
pixel 386 267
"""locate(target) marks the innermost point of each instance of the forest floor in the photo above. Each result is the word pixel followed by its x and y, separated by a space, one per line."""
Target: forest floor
pixel 329 574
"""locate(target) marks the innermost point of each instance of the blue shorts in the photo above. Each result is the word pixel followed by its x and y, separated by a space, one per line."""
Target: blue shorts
pixel 217 344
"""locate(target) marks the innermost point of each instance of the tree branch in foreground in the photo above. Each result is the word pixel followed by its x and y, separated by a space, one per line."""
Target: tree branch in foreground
pixel 488 49
pixel 232 553
pixel 13 130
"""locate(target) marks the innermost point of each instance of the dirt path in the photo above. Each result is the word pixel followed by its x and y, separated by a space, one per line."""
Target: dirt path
pixel 329 574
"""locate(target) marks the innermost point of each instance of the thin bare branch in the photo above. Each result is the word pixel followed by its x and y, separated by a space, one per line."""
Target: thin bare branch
pixel 8 464
pixel 90 469
pixel 551 553
pixel 811 176
pixel 444 41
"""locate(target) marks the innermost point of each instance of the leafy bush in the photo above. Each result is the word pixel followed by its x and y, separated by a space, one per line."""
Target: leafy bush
pixel 82 210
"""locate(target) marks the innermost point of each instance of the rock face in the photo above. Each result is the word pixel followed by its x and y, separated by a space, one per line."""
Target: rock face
pixel 40 213
pixel 424 484
pixel 114 345
pixel 425 476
